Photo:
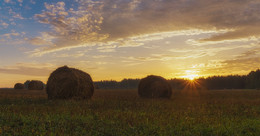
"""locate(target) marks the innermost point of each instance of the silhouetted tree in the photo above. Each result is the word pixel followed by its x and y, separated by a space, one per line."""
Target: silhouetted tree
pixel 253 80
pixel 250 81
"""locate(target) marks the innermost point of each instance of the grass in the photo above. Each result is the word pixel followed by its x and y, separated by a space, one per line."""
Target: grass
pixel 122 112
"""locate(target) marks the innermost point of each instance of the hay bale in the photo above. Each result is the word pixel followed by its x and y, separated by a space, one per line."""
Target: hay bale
pixel 69 83
pixel 35 85
pixel 154 87
pixel 19 86
pixel 26 83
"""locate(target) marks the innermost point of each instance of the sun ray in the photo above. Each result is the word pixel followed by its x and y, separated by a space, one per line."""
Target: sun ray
pixel 192 84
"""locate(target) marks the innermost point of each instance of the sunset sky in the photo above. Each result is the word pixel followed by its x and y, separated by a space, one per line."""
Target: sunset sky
pixel 116 39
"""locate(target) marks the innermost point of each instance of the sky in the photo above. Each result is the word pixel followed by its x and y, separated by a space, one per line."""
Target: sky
pixel 117 39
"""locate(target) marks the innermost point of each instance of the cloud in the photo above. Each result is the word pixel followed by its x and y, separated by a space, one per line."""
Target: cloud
pixel 216 50
pixel 106 21
pixel 7 1
pixel 241 33
pixel 235 66
pixel 100 56
pixel 38 41
pixel 241 64
pixel 44 39
pixel 15 15
pixel 12 38
pixel 252 53
pixel 9 35
pixel 152 57
pixel 3 24
pixel 32 1
pixel 32 69
pixel 156 16
pixel 72 27
pixel 203 42
pixel 76 55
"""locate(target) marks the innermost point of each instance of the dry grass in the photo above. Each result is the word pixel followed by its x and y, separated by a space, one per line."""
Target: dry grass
pixel 122 112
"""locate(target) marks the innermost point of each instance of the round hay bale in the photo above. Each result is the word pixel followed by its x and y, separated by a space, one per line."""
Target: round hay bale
pixel 69 83
pixel 19 86
pixel 154 87
pixel 35 85
pixel 26 83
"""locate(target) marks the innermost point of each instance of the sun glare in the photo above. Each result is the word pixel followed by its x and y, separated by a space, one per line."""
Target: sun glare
pixel 190 74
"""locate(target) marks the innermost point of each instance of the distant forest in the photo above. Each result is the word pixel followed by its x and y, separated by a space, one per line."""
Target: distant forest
pixel 250 81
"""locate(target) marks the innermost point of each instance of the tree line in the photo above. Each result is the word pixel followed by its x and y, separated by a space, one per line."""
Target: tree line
pixel 250 81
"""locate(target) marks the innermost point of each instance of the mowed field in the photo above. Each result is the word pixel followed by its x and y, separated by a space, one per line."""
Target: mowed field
pixel 122 112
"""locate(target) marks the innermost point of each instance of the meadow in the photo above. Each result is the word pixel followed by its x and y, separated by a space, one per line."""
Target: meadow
pixel 122 112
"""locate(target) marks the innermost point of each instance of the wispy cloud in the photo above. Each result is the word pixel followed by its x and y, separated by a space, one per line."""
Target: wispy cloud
pixel 241 64
pixel 39 41
pixel 152 57
pixel 32 69
pixel 233 66
pixel 65 55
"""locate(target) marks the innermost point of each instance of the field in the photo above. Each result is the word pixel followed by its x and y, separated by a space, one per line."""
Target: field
pixel 122 112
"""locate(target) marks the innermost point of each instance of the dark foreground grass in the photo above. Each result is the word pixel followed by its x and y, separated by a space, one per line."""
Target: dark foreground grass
pixel 122 112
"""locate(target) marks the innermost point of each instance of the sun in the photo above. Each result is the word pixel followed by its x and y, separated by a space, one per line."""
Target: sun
pixel 190 74
pixel 192 77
